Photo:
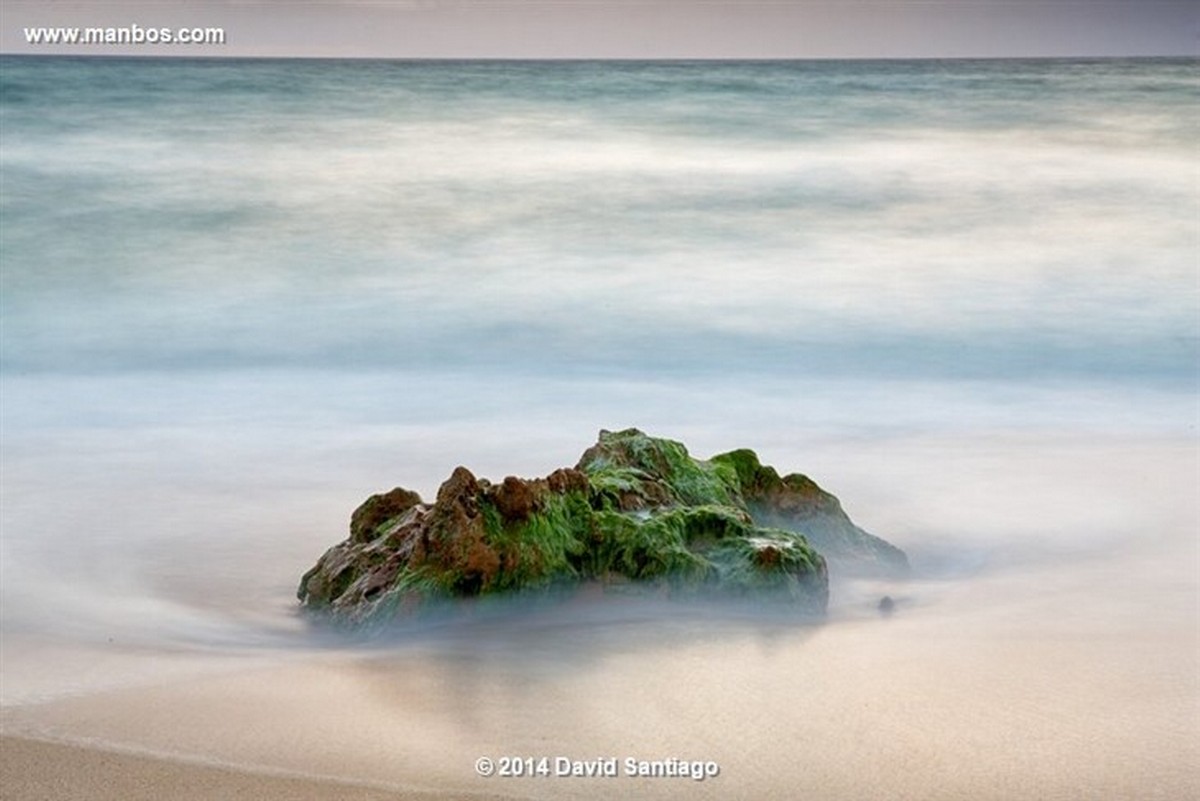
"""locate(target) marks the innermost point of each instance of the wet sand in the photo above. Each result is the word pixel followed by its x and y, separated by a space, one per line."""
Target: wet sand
pixel 926 704
pixel 33 769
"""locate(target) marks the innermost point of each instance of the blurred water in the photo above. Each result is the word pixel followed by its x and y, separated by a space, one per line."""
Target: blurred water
pixel 947 219
pixel 238 296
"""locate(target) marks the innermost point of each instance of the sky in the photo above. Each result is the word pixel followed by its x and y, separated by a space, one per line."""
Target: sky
pixel 629 28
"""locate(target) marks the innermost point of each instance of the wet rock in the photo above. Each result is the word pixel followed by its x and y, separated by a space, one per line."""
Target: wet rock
pixel 795 503
pixel 636 511
pixel 378 509
pixel 515 499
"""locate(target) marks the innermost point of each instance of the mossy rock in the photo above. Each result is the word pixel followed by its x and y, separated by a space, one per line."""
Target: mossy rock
pixel 636 511
pixel 796 503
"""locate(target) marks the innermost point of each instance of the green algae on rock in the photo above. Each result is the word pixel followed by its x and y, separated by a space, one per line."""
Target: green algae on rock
pixel 795 503
pixel 636 511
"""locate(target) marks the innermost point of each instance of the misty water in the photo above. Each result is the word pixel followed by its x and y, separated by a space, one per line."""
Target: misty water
pixel 239 296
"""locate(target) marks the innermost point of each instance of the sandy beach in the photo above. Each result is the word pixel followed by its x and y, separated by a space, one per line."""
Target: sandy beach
pixel 34 769
pixel 897 709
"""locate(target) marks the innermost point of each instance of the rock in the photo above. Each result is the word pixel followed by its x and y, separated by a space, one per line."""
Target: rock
pixel 636 511
pixel 795 503
pixel 379 509
pixel 515 499
pixel 886 606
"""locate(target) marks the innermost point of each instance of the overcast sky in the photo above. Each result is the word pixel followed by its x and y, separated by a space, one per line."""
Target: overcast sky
pixel 633 28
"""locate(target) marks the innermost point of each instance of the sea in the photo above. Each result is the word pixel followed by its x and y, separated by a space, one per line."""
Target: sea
pixel 239 296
